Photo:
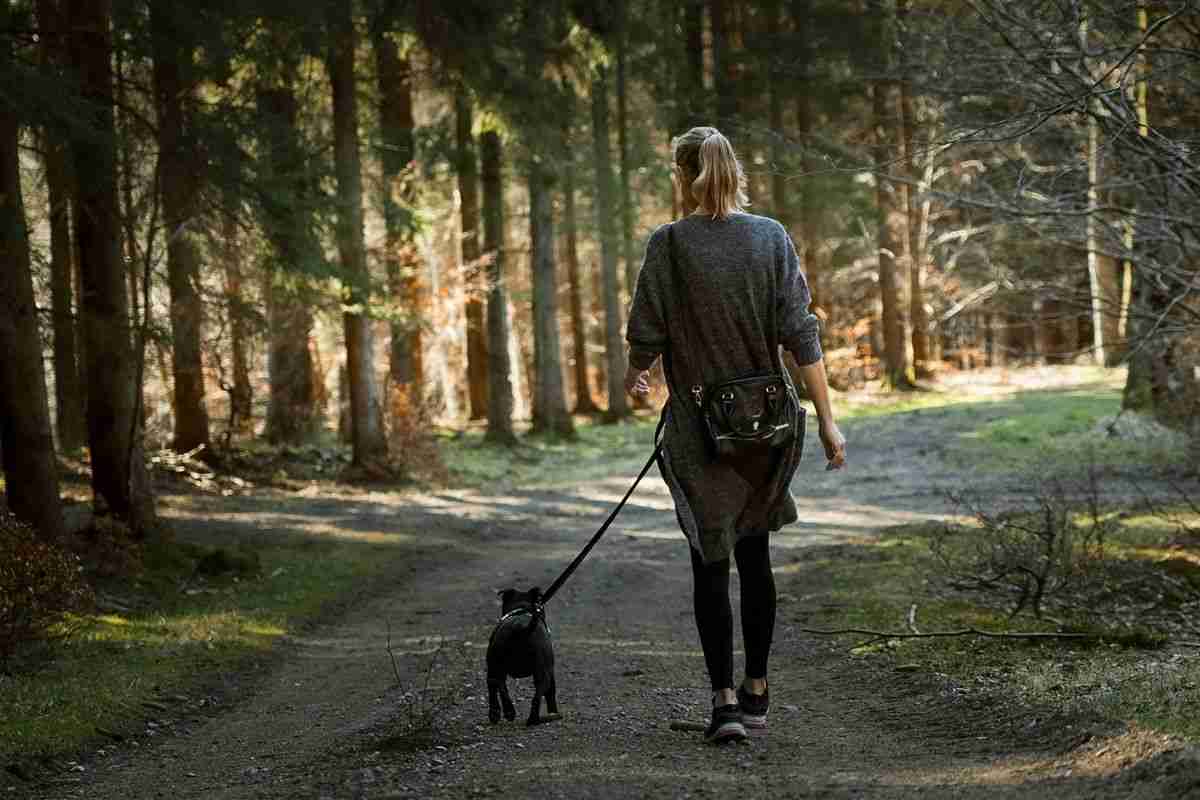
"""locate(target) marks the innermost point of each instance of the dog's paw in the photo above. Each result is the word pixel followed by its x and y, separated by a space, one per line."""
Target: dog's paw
pixel 510 715
pixel 494 717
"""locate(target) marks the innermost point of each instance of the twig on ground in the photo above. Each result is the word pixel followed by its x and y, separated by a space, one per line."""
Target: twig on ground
pixel 392 656
pixel 944 634
pixel 685 725
pixel 912 619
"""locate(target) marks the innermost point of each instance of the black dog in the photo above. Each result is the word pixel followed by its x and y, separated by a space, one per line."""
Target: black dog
pixel 520 646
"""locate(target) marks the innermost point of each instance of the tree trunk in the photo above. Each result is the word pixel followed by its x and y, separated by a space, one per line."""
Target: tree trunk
pixel 134 263
pixel 895 355
pixel 809 228
pixel 1103 277
pixel 780 201
pixel 550 413
pixel 26 443
pixel 68 395
pixel 912 215
pixel 584 403
pixel 179 183
pixel 468 192
pixel 369 441
pixel 614 344
pixel 724 73
pixel 627 204
pixel 692 107
pixel 397 131
pixel 289 228
pixel 111 365
pixel 500 389
pixel 241 395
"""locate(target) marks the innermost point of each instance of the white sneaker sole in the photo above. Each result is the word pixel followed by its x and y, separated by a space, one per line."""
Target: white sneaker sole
pixel 727 732
pixel 754 721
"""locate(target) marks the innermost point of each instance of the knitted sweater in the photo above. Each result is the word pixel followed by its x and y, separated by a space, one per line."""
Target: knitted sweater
pixel 735 270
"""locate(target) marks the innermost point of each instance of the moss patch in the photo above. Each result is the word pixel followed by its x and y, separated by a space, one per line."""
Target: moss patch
pixel 1128 674
pixel 180 629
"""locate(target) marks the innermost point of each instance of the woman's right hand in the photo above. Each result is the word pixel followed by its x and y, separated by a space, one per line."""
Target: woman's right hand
pixel 835 444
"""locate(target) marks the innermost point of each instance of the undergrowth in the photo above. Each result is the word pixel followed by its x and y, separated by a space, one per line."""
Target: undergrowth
pixel 1131 668
pixel 191 612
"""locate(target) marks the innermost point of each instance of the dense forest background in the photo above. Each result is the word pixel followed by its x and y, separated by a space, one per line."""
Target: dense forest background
pixel 225 221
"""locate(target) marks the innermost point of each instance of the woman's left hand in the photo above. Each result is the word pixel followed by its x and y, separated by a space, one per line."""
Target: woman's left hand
pixel 637 381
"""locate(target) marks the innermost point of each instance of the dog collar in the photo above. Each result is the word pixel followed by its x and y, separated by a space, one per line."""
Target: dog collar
pixel 516 612
pixel 536 612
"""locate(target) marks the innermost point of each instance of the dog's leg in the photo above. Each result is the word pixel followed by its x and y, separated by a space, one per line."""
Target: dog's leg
pixel 510 711
pixel 535 709
pixel 552 696
pixel 494 688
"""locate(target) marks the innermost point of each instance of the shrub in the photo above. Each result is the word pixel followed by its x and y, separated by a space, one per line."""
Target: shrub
pixel 1045 545
pixel 41 585
pixel 1055 549
pixel 411 441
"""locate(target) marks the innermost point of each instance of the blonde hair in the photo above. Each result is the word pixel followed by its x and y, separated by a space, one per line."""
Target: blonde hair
pixel 711 170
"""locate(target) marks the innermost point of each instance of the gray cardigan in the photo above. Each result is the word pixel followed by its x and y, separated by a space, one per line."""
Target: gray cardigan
pixel 733 268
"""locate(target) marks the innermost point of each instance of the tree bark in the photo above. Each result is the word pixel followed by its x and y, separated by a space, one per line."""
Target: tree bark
pixel 241 395
pixel 500 389
pixel 614 344
pixel 895 355
pixel 550 413
pixel 468 192
pixel 1103 278
pixel 623 166
pixel 369 441
pixel 26 443
pixel 912 215
pixel 179 183
pixel 809 228
pixel 724 73
pixel 780 201
pixel 110 360
pixel 68 395
pixel 397 130
pixel 584 403
pixel 289 228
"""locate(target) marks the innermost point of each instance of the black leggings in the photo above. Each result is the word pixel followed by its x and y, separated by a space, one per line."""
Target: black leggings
pixel 714 617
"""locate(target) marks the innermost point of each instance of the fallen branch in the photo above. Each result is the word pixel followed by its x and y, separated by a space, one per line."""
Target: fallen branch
pixel 944 634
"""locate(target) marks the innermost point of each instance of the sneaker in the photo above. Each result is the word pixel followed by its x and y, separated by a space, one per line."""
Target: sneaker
pixel 726 725
pixel 753 707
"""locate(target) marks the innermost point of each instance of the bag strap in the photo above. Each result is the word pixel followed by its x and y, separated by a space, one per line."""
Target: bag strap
pixel 681 284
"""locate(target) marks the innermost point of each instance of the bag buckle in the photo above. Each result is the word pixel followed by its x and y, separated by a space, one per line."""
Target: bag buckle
pixel 698 394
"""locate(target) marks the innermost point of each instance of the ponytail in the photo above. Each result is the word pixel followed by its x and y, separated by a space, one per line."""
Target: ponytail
pixel 718 183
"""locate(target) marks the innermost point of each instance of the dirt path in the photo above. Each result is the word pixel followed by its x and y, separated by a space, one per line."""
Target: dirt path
pixel 323 722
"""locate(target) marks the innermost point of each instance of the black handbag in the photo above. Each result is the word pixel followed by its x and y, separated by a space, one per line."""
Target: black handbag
pixel 748 413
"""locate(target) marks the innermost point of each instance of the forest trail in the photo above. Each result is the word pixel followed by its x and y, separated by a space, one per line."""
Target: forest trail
pixel 322 721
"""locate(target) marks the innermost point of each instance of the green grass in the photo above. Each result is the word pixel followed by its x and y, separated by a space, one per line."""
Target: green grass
pixel 1056 428
pixel 903 403
pixel 1130 675
pixel 597 451
pixel 1035 429
pixel 53 702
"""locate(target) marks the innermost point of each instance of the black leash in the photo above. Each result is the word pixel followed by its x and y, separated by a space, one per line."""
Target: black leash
pixel 566 573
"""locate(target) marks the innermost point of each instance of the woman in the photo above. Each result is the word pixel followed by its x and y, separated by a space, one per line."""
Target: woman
pixel 740 274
